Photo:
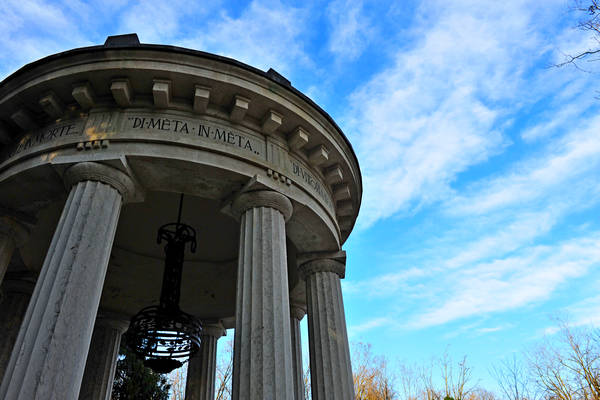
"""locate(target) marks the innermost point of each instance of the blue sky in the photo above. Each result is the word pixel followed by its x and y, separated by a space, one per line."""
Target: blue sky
pixel 480 214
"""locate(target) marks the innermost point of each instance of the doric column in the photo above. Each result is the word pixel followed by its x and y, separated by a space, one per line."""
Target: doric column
pixel 11 234
pixel 330 369
pixel 16 295
pixel 262 362
pixel 202 368
pixel 49 356
pixel 297 312
pixel 102 357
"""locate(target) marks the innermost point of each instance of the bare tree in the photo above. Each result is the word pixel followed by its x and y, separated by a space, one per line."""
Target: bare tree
pixel 177 379
pixel 456 379
pixel 224 373
pixel 513 379
pixel 307 386
pixel 428 389
pixel 410 385
pixel 590 22
pixel 372 379
pixel 481 394
pixel 569 369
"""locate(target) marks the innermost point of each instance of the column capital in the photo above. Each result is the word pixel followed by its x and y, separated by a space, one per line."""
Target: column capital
pixel 94 171
pixel 215 330
pixel 262 198
pixel 297 310
pixel 323 265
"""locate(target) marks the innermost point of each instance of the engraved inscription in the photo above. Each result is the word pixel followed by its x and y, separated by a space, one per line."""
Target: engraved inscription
pixel 191 128
pixel 308 178
pixel 43 136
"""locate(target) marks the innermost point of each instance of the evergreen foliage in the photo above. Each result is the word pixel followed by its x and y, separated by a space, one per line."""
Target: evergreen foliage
pixel 134 381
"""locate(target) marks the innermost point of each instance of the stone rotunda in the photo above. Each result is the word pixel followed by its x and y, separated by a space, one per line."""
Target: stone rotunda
pixel 96 146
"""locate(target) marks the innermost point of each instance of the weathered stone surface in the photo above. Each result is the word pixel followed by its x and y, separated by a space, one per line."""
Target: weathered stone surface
pixel 318 155
pixel 102 358
pixel 49 355
pixel 92 171
pixel 298 139
pixel 330 368
pixel 52 105
pixel 84 95
pixel 344 208
pixel 263 198
pixel 24 120
pixel 202 368
pixel 341 192
pixel 161 92
pixel 262 368
pixel 122 92
pixel 239 108
pixel 201 98
pixel 271 121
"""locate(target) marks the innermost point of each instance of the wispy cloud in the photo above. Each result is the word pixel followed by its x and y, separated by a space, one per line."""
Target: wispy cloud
pixel 154 21
pixel 446 104
pixel 585 312
pixel 387 284
pixel 493 329
pixel 511 282
pixel 351 30
pixel 31 29
pixel 264 35
pixel 567 161
pixel 368 325
pixel 488 259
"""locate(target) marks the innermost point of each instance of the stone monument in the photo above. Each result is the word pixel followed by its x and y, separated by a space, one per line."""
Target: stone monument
pixel 96 146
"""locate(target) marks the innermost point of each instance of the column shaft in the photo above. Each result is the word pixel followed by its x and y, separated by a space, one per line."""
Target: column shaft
pixel 262 368
pixel 330 368
pixel 202 368
pixel 102 359
pixel 50 352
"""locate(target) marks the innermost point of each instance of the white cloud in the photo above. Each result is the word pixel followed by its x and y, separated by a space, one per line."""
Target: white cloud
pixel 368 325
pixel 511 282
pixel 385 285
pixel 445 104
pixel 154 21
pixel 568 162
pixel 351 29
pixel 487 260
pixel 583 313
pixel 263 35
pixel 32 29
pixel 429 117
pixel 492 329
pixel 510 235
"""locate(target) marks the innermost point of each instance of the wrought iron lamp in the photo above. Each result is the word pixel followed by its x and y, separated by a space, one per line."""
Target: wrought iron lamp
pixel 163 334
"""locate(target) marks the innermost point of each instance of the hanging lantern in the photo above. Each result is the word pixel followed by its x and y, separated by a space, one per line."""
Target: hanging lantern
pixel 162 334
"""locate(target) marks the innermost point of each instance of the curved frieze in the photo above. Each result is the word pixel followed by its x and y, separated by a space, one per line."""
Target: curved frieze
pixel 99 129
pixel 55 135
